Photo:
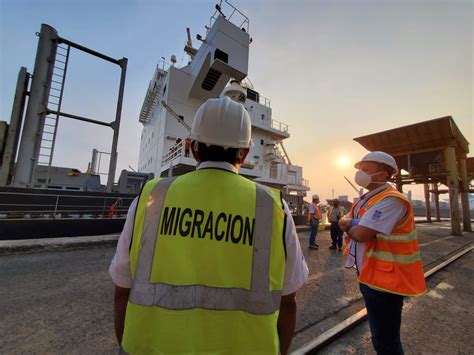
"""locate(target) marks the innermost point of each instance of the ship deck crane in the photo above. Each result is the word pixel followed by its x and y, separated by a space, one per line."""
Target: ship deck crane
pixel 179 118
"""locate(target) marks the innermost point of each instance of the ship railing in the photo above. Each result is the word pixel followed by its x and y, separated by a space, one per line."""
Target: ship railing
pixel 162 65
pixel 279 126
pixel 264 101
pixel 55 206
pixel 305 182
pixel 239 19
pixel 176 151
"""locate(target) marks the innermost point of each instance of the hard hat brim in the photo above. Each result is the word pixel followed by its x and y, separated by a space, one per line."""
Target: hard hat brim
pixel 214 142
pixel 357 165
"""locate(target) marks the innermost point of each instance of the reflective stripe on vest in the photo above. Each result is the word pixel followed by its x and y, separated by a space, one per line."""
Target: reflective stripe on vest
pixel 402 238
pixel 394 258
pixel 258 300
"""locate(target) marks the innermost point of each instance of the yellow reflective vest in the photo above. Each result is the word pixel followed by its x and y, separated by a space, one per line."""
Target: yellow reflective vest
pixel 207 261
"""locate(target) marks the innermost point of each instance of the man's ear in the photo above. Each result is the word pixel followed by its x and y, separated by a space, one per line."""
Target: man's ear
pixel 243 155
pixel 193 150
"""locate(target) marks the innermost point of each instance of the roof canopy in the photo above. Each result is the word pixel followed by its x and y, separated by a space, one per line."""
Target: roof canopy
pixel 425 136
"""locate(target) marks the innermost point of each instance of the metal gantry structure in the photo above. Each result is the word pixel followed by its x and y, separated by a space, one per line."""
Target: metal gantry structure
pixel 431 153
pixel 43 110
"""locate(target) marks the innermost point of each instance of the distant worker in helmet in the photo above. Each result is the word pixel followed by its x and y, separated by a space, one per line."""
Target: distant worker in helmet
pixel 335 213
pixel 314 217
pixel 201 266
pixel 384 250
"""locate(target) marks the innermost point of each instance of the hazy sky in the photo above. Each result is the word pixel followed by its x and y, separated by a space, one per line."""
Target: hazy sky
pixel 334 70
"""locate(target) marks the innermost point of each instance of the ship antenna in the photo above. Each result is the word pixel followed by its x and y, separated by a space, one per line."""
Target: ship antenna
pixel 190 41
pixel 188 48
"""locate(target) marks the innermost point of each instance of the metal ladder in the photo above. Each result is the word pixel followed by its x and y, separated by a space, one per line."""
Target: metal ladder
pixel 50 126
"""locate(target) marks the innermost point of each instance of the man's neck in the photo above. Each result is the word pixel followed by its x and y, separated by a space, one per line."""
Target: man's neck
pixel 373 187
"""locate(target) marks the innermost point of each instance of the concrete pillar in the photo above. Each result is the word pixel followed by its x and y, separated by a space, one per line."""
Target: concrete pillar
pixel 399 184
pixel 36 108
pixel 427 202
pixel 436 201
pixel 466 216
pixel 453 186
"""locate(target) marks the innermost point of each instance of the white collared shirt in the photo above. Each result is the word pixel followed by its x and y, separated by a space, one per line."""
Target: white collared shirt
pixel 381 217
pixel 296 270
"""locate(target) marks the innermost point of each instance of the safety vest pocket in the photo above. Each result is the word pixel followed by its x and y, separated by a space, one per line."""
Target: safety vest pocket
pixel 381 265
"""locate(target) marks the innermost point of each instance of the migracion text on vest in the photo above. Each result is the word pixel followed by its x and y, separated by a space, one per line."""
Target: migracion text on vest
pixel 186 222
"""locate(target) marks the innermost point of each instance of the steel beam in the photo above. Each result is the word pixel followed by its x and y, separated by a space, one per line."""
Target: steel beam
pixel 36 108
pixel 14 129
pixel 80 118
pixel 88 50
pixel 116 125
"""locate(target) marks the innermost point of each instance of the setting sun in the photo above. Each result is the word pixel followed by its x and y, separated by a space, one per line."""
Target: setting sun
pixel 343 162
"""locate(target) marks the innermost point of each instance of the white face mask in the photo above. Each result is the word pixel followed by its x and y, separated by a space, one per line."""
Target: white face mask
pixel 363 179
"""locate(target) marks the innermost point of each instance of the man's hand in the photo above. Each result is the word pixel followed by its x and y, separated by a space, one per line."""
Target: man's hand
pixel 120 301
pixel 362 233
pixel 344 224
pixel 286 321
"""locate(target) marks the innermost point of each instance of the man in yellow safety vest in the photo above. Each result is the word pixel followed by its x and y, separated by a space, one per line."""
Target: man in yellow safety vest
pixel 383 248
pixel 208 262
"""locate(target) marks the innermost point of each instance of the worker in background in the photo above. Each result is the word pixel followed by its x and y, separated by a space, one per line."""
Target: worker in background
pixel 187 147
pixel 201 266
pixel 384 247
pixel 335 213
pixel 314 217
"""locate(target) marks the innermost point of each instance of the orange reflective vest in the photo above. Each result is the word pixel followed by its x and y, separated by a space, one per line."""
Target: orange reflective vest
pixel 316 214
pixel 393 262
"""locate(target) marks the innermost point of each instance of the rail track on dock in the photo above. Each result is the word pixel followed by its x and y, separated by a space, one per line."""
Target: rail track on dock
pixel 329 336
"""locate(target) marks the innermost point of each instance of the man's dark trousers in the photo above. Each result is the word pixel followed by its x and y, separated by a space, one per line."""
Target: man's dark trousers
pixel 336 234
pixel 384 311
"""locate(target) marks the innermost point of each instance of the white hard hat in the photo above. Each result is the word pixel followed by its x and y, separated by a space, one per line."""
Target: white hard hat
pixel 380 157
pixel 235 91
pixel 222 122
pixel 315 197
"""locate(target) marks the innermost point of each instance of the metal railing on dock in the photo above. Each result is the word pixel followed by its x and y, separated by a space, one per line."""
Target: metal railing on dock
pixel 45 204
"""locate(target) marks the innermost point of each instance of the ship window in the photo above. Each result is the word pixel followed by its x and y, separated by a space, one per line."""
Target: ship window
pixel 221 55
pixel 164 90
pixel 261 141
pixel 253 95
pixel 263 117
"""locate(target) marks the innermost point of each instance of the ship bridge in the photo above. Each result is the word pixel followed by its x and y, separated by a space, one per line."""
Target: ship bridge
pixel 175 93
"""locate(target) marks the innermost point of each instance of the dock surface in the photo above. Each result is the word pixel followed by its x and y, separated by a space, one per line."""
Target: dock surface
pixel 61 300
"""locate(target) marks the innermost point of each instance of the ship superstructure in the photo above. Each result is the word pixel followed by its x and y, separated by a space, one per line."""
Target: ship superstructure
pixel 174 94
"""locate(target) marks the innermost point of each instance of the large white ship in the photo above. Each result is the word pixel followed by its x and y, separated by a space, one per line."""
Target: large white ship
pixel 174 94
